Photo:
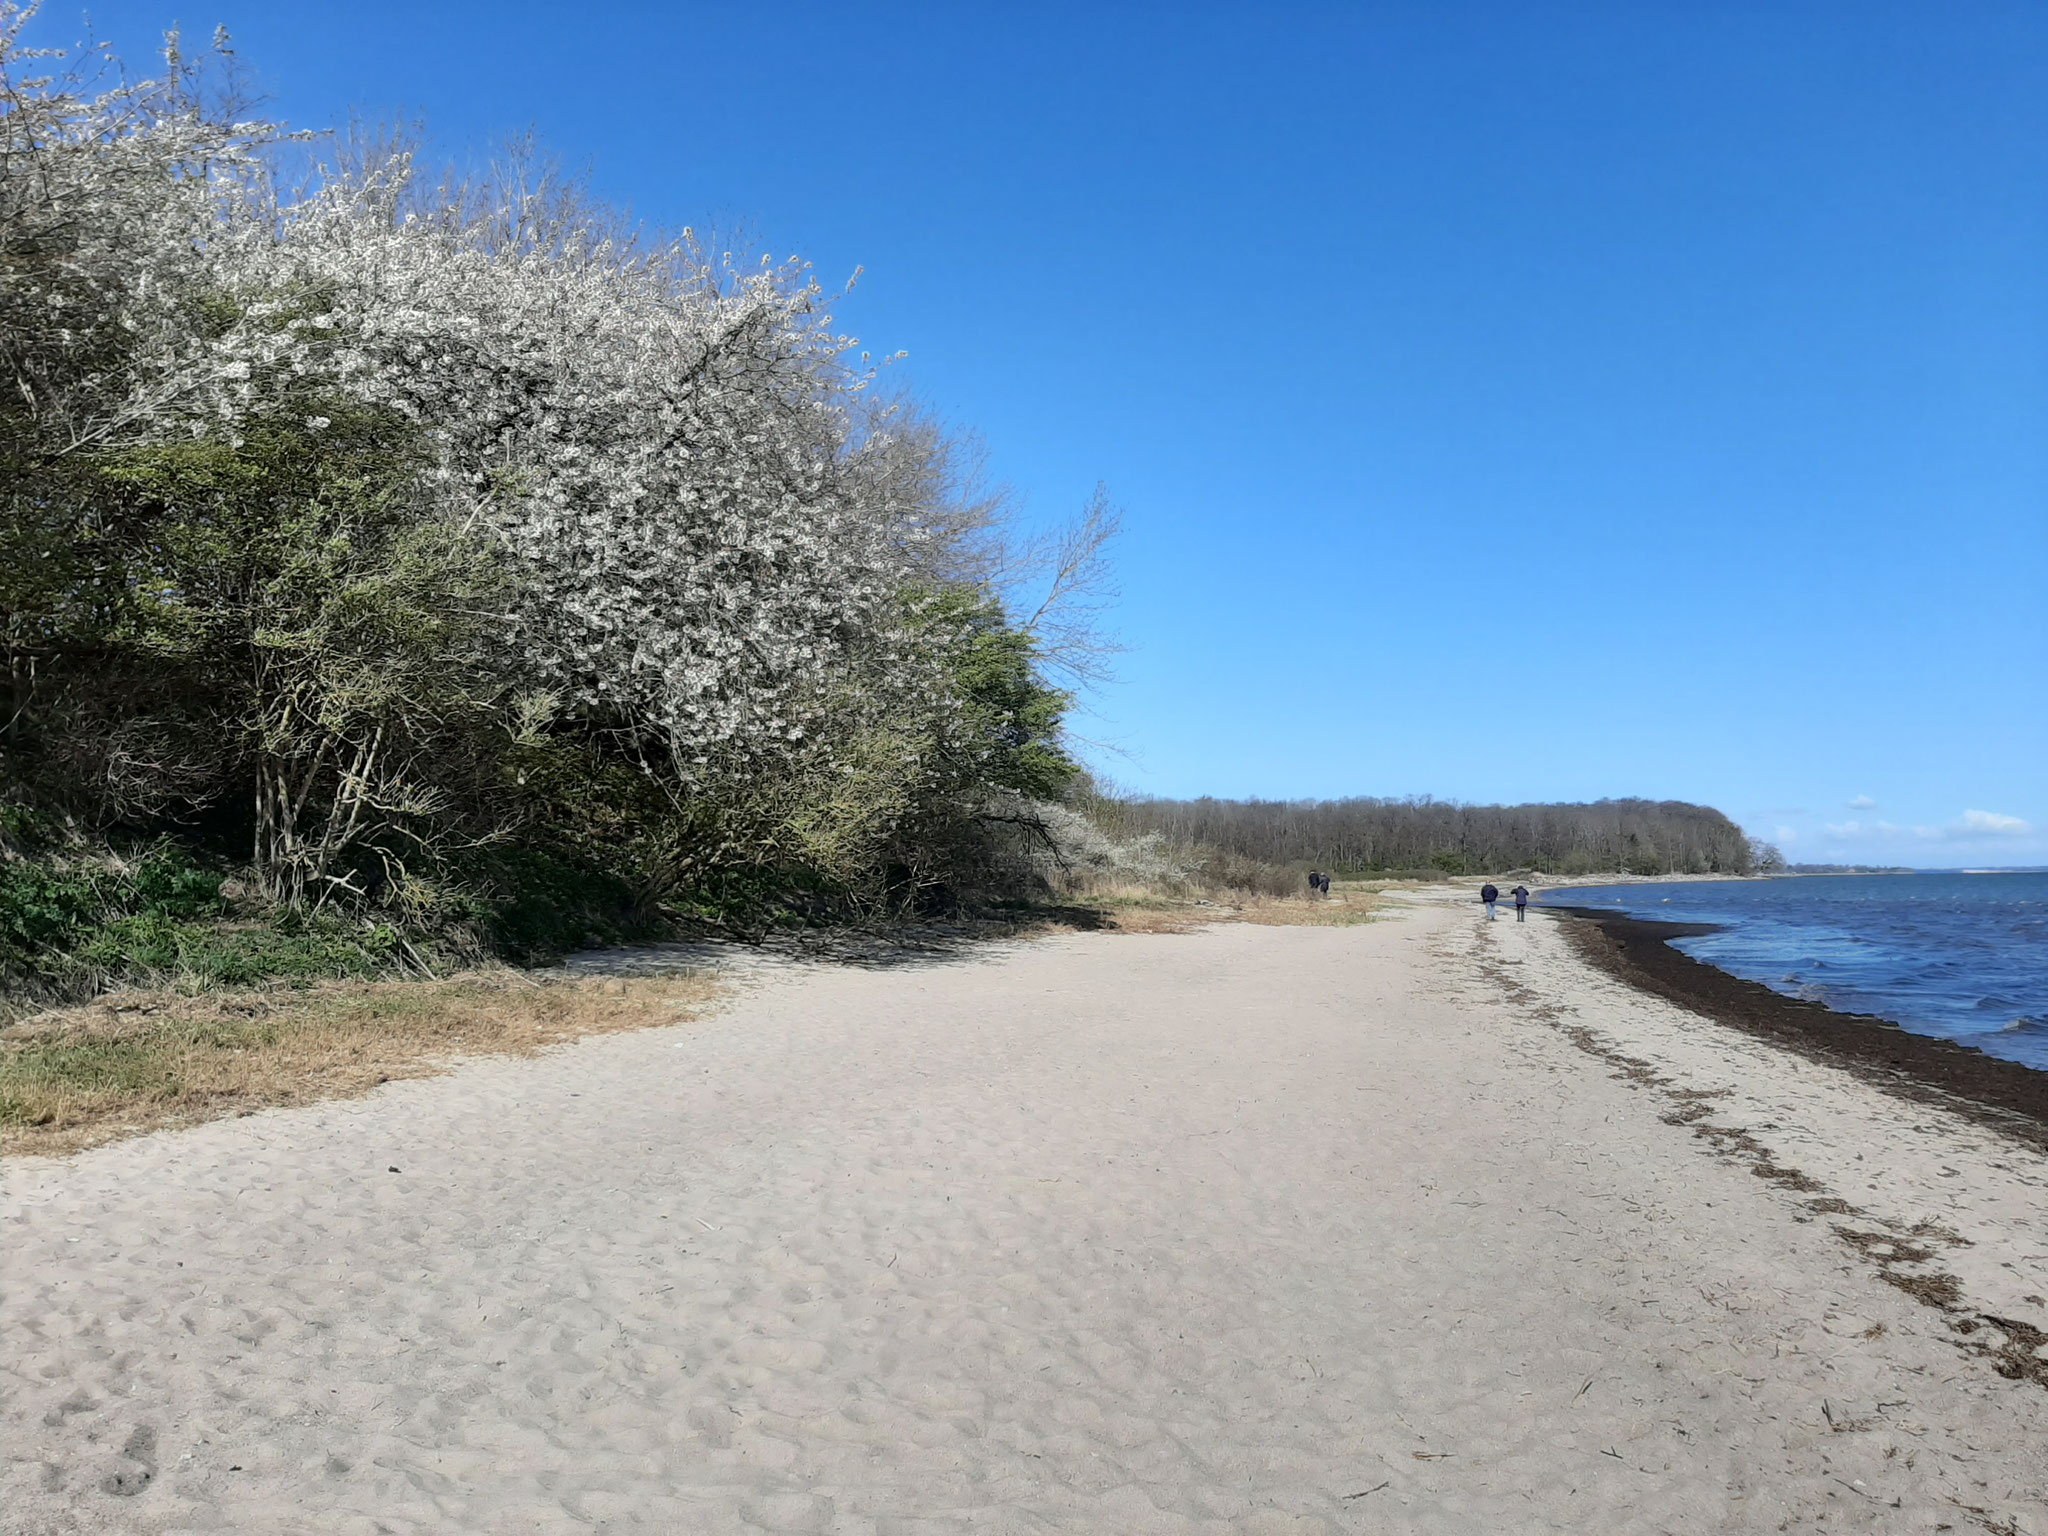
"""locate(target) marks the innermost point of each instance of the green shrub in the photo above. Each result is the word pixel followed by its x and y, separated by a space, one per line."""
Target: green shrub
pixel 49 909
pixel 69 927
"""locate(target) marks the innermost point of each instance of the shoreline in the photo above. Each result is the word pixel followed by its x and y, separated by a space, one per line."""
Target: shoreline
pixel 2003 1095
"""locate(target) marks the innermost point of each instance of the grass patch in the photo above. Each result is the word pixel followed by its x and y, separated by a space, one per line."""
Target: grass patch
pixel 289 947
pixel 1344 907
pixel 138 1061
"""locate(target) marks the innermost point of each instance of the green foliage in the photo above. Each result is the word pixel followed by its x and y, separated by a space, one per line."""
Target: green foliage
pixel 1014 716
pixel 68 926
pixel 268 618
pixel 754 899
pixel 288 946
pixel 48 908
pixel 289 538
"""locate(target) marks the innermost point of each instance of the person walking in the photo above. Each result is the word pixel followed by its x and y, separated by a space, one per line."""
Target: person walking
pixel 1490 894
pixel 1521 895
pixel 1315 882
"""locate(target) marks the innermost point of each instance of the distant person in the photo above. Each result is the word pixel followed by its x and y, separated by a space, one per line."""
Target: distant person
pixel 1490 894
pixel 1326 885
pixel 1521 895
pixel 1315 883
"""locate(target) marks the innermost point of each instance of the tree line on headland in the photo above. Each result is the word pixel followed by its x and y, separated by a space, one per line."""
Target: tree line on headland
pixel 1365 835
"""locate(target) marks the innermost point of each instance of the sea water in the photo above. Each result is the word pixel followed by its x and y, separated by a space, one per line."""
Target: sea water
pixel 1964 956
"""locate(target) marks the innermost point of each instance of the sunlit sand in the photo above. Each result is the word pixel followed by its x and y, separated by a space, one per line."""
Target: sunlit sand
pixel 1415 1225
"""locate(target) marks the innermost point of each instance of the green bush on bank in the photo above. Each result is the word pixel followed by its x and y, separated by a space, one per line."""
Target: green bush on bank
pixel 74 922
pixel 51 907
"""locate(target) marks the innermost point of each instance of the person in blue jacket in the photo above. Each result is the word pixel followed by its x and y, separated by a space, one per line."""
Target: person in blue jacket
pixel 1490 894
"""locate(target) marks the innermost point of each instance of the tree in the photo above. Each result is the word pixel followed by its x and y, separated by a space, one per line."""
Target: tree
pixel 400 513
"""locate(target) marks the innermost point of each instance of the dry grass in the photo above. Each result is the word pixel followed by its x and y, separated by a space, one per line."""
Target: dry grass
pixel 1139 911
pixel 141 1061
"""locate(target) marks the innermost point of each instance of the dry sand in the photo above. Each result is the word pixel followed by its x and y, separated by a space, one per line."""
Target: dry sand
pixel 1402 1227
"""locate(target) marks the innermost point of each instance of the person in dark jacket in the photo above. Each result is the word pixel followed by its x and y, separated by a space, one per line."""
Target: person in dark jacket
pixel 1521 895
pixel 1315 882
pixel 1490 894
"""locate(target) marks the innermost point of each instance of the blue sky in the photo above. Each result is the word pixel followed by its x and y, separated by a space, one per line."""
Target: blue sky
pixel 1508 402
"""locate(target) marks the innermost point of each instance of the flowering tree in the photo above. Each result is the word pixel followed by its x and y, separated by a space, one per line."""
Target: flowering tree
pixel 409 513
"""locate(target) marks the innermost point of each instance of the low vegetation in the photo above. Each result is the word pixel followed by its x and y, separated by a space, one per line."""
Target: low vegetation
pixel 1159 911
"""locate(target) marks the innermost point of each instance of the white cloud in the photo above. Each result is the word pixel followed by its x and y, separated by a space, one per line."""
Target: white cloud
pixel 1989 824
pixel 1863 803
pixel 1969 826
pixel 1783 835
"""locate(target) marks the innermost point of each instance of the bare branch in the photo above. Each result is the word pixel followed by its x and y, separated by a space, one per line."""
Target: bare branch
pixel 1079 589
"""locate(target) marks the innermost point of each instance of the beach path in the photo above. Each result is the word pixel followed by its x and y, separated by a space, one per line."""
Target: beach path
pixel 1254 1229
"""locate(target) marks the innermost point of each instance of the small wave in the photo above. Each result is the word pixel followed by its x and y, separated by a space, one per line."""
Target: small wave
pixel 2026 1026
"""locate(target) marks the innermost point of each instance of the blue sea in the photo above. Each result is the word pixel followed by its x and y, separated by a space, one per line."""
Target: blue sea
pixel 1964 956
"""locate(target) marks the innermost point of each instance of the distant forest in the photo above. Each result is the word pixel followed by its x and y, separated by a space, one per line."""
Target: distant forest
pixel 1366 836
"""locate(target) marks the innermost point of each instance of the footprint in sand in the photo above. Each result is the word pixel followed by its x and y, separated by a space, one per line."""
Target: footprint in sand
pixel 140 1471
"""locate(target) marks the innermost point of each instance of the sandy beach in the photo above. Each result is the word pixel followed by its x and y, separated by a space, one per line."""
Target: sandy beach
pixel 1421 1225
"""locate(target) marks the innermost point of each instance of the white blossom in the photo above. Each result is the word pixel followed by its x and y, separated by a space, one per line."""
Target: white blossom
pixel 714 525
